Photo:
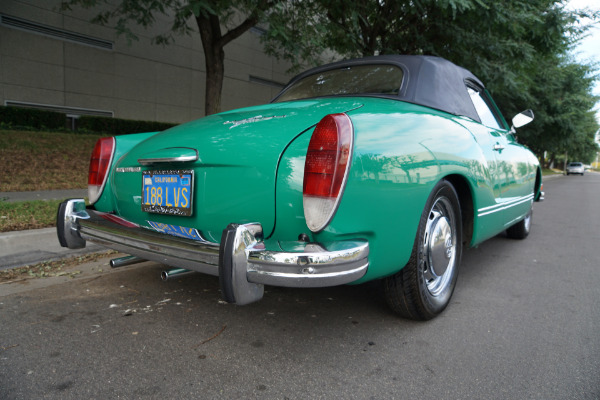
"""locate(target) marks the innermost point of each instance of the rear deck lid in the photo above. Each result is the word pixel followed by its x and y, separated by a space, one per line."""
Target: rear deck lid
pixel 234 158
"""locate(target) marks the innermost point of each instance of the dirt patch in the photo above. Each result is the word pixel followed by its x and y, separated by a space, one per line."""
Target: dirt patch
pixel 44 160
pixel 66 267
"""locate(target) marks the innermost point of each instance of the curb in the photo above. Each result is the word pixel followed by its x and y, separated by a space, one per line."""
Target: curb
pixel 43 195
pixel 20 248
pixel 550 177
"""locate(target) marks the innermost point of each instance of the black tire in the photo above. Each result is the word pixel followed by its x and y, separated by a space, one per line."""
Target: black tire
pixel 521 229
pixel 423 288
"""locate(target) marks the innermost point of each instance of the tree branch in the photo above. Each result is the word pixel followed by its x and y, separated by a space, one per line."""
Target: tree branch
pixel 238 30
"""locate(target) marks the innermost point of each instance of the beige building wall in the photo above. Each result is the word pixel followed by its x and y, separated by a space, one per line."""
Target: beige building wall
pixel 134 81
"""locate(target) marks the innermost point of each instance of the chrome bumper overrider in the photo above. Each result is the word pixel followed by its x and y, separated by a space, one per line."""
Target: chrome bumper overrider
pixel 242 260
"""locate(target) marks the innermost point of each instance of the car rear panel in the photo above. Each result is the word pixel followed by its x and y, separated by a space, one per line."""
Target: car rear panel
pixel 235 171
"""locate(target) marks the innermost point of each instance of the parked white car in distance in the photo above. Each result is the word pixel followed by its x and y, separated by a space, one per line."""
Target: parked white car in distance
pixel 575 168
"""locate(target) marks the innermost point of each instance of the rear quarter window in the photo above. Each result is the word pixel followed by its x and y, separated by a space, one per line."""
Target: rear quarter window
pixel 483 109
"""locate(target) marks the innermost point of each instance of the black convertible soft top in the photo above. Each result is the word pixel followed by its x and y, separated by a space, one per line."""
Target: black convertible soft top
pixel 429 81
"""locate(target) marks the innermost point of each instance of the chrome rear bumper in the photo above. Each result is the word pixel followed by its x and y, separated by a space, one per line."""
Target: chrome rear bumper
pixel 242 260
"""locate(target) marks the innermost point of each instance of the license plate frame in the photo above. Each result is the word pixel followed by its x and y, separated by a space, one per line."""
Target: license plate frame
pixel 173 192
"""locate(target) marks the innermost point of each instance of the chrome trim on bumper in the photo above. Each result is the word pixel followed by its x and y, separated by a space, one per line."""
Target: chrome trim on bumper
pixel 242 261
pixel 542 196
pixel 315 265
pixel 67 227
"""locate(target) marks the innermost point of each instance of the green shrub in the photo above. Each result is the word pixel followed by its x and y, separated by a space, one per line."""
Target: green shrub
pixel 18 118
pixel 116 126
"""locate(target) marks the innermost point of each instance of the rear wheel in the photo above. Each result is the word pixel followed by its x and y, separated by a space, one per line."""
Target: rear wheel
pixel 521 229
pixel 423 288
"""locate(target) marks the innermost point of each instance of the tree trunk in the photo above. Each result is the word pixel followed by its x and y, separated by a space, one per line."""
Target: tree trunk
pixel 213 43
pixel 551 161
pixel 215 73
pixel 214 57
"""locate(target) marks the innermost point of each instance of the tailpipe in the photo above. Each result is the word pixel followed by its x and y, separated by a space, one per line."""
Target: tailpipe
pixel 123 261
pixel 175 272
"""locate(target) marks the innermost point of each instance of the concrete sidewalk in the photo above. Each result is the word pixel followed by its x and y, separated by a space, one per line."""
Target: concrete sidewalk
pixel 20 248
pixel 43 195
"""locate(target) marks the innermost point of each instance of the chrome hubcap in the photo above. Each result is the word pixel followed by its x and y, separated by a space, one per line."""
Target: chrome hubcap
pixel 439 247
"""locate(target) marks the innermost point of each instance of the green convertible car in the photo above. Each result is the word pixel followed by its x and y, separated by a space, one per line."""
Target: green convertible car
pixel 376 168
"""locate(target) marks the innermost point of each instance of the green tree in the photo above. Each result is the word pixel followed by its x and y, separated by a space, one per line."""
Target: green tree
pixel 565 120
pixel 209 16
pixel 517 48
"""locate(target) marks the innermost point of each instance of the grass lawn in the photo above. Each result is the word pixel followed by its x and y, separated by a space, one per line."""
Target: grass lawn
pixel 22 215
pixel 44 160
pixel 549 172
pixel 40 161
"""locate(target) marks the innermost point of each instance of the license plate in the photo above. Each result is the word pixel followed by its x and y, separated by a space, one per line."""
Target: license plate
pixel 168 192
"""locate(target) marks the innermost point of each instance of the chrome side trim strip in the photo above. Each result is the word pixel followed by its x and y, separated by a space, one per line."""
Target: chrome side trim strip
pixel 504 206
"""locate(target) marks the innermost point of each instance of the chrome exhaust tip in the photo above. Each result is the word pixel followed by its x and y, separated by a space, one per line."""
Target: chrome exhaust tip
pixel 123 261
pixel 175 272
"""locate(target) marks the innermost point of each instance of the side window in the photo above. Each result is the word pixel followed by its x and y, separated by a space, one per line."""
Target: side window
pixel 483 110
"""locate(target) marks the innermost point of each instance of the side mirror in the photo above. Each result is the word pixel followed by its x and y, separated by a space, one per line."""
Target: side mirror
pixel 522 119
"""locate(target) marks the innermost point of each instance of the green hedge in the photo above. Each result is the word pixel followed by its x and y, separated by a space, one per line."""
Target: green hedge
pixel 33 119
pixel 116 126
pixel 16 117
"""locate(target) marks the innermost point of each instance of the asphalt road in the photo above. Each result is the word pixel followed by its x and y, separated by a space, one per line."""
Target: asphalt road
pixel 523 324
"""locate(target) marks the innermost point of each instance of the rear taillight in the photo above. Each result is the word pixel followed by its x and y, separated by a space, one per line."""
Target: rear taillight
pixel 326 169
pixel 99 166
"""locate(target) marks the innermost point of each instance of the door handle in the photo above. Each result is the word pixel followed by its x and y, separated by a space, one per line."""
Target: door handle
pixel 498 147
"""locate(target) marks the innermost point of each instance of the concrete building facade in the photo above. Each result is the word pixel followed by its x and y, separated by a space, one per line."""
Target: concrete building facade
pixel 60 61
